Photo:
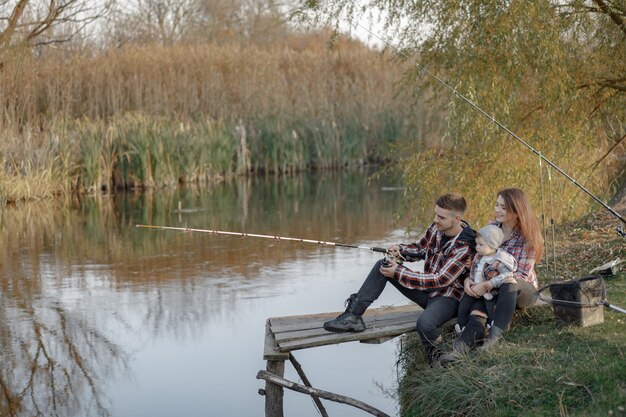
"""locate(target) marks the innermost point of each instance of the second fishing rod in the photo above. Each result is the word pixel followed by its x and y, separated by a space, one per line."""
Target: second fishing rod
pixel 497 123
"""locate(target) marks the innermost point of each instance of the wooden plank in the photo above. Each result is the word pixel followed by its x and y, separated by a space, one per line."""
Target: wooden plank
pixel 270 348
pixel 318 324
pixel 445 328
pixel 378 340
pixel 319 331
pixel 316 320
pixel 335 338
pixel 369 312
pixel 303 318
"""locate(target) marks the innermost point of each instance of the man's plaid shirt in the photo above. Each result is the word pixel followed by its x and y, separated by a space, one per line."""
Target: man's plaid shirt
pixel 446 266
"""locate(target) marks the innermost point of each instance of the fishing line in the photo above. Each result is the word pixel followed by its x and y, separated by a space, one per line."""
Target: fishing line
pixel 488 116
pixel 543 214
pixel 552 221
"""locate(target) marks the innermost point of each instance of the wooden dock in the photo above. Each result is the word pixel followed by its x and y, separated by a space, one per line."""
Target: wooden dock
pixel 286 334
pixel 283 335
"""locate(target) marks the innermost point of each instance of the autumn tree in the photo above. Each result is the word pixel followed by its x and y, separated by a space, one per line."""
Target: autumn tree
pixel 553 72
pixel 26 24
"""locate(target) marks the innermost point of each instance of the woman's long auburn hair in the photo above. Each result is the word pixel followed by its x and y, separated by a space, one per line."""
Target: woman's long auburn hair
pixel 516 201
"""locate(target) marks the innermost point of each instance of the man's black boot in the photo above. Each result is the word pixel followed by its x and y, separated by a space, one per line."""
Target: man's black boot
pixel 350 320
pixel 432 353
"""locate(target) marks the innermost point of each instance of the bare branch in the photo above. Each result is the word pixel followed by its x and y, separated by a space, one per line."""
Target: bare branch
pixel 46 23
pixel 616 84
pixel 274 379
pixel 7 34
pixel 33 24
pixel 615 146
pixel 615 17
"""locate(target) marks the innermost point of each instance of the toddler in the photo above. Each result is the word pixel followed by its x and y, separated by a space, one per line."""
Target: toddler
pixel 489 264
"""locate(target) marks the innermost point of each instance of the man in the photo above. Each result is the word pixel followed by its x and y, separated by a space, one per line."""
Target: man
pixel 447 248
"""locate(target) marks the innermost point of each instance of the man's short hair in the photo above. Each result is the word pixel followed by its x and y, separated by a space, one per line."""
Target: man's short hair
pixel 452 201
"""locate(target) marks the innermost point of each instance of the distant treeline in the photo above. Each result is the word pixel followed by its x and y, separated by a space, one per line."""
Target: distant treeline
pixel 153 115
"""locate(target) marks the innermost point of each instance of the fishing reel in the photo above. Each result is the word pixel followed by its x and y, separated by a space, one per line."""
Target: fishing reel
pixel 386 263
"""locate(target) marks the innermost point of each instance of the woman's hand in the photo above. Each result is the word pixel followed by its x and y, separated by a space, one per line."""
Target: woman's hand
pixel 482 288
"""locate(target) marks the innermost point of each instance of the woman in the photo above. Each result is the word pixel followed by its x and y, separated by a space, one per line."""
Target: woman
pixel 523 240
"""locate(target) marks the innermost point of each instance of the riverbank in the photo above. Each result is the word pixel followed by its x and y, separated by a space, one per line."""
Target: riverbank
pixel 539 370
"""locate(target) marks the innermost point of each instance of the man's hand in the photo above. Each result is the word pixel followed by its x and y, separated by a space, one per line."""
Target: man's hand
pixel 389 271
pixel 394 251
pixel 468 287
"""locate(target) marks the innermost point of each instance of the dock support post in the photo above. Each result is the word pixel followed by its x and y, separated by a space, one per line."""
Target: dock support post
pixel 274 393
pixel 275 365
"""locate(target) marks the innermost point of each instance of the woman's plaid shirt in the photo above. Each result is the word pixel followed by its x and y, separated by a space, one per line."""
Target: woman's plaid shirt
pixel 446 266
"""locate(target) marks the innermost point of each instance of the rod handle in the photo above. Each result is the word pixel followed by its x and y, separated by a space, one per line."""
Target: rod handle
pixel 377 249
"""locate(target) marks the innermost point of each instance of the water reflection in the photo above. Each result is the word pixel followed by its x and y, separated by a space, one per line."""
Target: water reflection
pixel 83 292
pixel 54 357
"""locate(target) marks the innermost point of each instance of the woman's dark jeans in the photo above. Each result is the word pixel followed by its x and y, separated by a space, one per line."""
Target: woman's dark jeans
pixel 437 310
pixel 521 294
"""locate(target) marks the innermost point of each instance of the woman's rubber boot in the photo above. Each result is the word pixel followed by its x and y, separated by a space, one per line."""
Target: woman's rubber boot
pixel 350 320
pixel 459 351
pixel 495 335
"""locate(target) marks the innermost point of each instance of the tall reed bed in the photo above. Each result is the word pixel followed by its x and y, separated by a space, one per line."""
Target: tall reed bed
pixel 151 116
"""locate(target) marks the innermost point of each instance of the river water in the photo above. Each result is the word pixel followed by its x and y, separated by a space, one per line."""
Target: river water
pixel 99 318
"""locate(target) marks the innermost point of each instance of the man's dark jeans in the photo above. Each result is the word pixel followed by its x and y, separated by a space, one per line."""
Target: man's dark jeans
pixel 437 310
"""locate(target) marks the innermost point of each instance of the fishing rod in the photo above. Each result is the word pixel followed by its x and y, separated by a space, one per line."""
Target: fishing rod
pixel 499 124
pixel 276 238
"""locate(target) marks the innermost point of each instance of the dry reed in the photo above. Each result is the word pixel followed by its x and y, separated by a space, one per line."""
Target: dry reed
pixel 152 115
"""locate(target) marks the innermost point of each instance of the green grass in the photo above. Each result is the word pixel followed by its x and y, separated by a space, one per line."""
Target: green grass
pixel 538 370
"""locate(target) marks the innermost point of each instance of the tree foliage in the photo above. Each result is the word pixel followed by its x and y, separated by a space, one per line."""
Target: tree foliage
pixel 553 72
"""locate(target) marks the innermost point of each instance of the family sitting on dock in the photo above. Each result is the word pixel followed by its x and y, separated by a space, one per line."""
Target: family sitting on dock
pixel 479 277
